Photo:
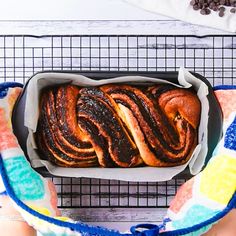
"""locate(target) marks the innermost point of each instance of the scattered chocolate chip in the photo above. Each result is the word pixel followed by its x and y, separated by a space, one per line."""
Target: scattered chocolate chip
pixel 203 11
pixel 196 7
pixel 221 13
pixel 233 10
pixel 206 6
pixel 222 8
pixel 208 11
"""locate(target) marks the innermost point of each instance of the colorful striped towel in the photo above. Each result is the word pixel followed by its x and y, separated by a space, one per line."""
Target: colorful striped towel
pixel 199 203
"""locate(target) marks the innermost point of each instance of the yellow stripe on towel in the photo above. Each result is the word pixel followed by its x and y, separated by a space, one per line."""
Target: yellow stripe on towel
pixel 218 180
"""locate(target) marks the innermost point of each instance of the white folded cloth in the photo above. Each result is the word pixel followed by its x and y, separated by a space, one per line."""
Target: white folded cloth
pixel 181 10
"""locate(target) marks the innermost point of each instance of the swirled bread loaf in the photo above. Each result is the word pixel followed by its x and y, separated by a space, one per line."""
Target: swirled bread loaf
pixel 118 125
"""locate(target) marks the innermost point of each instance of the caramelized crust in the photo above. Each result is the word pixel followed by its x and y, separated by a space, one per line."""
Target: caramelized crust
pixel 95 107
pixel 118 125
pixel 54 138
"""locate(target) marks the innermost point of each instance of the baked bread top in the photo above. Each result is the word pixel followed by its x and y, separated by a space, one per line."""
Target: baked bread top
pixel 118 125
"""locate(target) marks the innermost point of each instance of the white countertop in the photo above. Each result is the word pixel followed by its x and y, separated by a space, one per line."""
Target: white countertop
pixel 88 17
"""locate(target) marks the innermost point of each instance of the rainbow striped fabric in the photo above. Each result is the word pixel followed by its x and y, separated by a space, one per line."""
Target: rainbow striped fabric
pixel 199 203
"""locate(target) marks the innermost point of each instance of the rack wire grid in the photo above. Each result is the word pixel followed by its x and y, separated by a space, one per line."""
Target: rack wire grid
pixel 22 56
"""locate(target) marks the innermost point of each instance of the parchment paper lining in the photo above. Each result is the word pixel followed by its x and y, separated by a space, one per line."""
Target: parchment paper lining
pixel 186 80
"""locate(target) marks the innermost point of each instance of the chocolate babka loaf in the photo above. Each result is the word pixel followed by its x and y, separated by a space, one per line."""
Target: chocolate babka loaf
pixel 118 125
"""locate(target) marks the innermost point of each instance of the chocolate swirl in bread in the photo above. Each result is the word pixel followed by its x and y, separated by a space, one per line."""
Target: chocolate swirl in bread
pixel 118 125
pixel 115 147
pixel 60 138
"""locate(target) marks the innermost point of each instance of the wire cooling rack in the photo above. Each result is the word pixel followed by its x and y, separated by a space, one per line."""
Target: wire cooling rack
pixel 212 56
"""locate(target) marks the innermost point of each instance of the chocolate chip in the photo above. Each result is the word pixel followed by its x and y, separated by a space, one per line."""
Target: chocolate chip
pixel 221 13
pixel 208 11
pixel 212 5
pixel 205 6
pixel 203 11
pixel 196 7
pixel 233 10
pixel 222 8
